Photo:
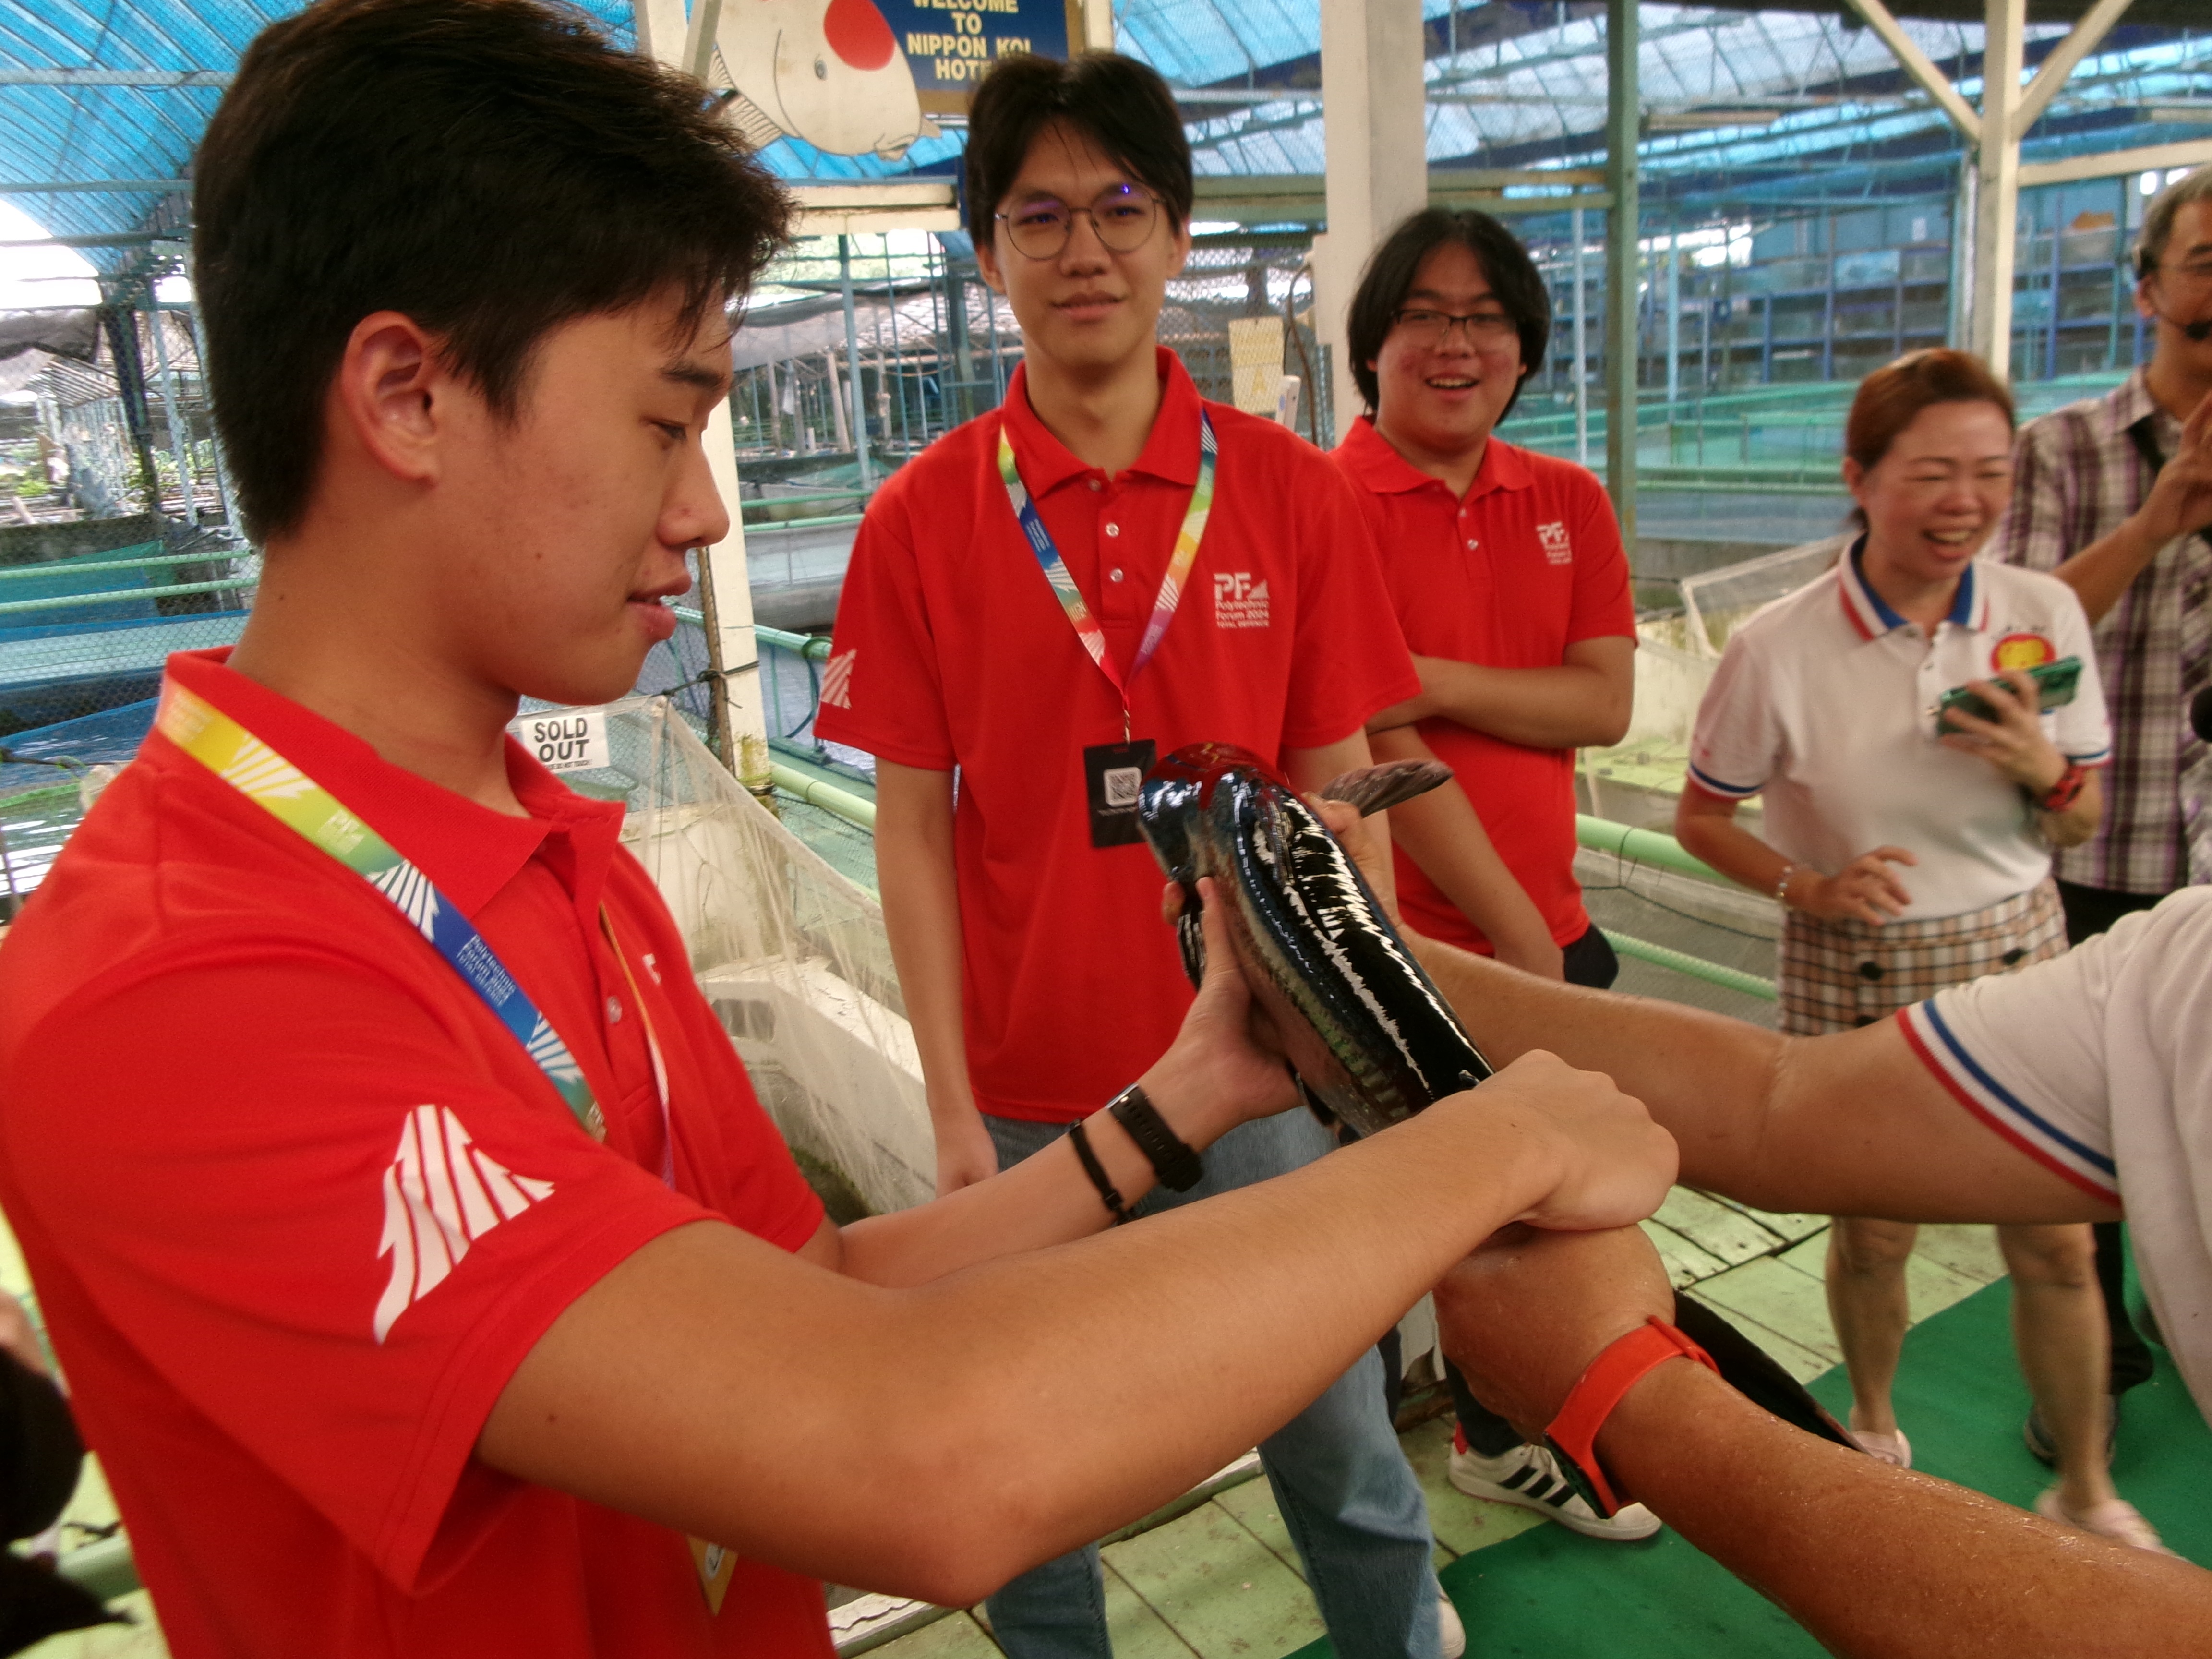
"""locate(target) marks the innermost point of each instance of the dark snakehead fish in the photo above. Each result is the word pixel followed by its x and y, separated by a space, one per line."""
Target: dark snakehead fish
pixel 1366 1029
pixel 1369 1034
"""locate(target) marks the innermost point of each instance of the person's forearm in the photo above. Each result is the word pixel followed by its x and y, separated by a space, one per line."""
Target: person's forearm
pixel 1570 706
pixel 1731 850
pixel 1013 1411
pixel 2078 823
pixel 2101 573
pixel 920 891
pixel 1442 833
pixel 1042 1201
pixel 1877 1561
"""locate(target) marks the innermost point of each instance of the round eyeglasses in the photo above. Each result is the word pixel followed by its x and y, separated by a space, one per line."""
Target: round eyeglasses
pixel 1122 216
pixel 1432 328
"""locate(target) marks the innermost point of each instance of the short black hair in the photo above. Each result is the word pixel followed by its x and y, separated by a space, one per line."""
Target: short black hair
pixel 1512 275
pixel 1121 105
pixel 491 168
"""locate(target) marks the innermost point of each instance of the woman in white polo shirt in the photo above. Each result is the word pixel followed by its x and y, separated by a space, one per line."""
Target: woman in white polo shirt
pixel 1907 860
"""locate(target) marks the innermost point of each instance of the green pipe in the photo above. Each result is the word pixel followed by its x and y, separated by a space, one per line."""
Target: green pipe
pixel 18 573
pixel 1643 846
pixel 819 521
pixel 1696 967
pixel 816 646
pixel 838 803
pixel 117 595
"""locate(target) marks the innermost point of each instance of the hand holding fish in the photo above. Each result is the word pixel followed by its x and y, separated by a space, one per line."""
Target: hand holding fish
pixel 1603 1162
pixel 1224 1068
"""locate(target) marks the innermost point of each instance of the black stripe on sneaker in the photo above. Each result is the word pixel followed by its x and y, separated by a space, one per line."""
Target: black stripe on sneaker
pixel 1514 1481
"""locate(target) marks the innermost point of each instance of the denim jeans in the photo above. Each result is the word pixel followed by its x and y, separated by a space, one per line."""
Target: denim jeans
pixel 1351 1504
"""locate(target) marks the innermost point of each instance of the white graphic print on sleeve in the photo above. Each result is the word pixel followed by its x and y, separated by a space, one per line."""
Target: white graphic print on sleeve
pixel 440 1195
pixel 837 679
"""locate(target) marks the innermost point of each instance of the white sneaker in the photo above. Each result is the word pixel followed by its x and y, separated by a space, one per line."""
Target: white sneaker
pixel 1894 1450
pixel 1530 1476
pixel 1451 1635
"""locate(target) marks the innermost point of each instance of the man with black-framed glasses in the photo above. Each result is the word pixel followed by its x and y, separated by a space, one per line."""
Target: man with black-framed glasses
pixel 1101 570
pixel 2113 496
pixel 1507 572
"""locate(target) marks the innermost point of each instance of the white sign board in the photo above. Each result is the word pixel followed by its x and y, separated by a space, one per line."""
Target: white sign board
pixel 566 739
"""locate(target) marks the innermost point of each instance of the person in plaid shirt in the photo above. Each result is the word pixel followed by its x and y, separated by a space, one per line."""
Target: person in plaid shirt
pixel 2113 496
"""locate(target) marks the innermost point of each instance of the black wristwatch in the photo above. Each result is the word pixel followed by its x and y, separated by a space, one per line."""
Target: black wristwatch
pixel 1175 1164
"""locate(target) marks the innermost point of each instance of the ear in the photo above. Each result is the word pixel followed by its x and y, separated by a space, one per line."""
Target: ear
pixel 392 395
pixel 986 262
pixel 1855 476
pixel 2146 308
pixel 1183 250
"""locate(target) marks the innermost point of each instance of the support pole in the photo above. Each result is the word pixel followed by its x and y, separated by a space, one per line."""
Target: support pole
pixel 853 363
pixel 1373 117
pixel 1581 348
pixel 1997 183
pixel 180 448
pixel 1674 326
pixel 1621 119
pixel 726 595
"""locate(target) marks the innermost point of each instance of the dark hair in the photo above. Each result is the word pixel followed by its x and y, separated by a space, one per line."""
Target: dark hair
pixel 2158 221
pixel 1390 276
pixel 1891 398
pixel 491 168
pixel 1121 105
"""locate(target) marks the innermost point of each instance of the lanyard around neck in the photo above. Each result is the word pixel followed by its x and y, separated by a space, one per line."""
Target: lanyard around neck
pixel 257 771
pixel 1063 584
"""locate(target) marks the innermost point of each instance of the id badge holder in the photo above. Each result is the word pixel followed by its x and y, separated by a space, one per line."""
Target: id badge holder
pixel 1112 774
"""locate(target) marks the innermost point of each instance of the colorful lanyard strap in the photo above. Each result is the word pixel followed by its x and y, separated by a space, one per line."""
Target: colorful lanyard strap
pixel 290 795
pixel 1063 584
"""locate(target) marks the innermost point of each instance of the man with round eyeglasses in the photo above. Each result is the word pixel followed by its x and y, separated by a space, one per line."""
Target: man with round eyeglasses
pixel 1510 582
pixel 1103 569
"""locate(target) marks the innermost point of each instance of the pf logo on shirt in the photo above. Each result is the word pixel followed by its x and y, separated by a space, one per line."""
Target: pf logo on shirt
pixel 1238 601
pixel 1553 539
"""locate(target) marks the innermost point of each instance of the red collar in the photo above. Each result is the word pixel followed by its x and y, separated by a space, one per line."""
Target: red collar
pixel 468 850
pixel 1382 471
pixel 1170 453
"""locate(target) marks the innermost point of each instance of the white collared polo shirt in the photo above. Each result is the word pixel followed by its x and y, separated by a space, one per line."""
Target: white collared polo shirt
pixel 1824 703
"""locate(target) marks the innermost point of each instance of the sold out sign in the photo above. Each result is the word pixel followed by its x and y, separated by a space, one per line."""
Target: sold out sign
pixel 566 739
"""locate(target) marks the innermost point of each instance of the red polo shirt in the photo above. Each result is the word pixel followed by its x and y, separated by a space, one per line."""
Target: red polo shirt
pixel 952 651
pixel 1527 564
pixel 224 1061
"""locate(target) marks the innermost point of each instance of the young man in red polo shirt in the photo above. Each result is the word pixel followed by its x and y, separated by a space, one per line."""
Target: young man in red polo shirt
pixel 1205 576
pixel 425 1273
pixel 1507 573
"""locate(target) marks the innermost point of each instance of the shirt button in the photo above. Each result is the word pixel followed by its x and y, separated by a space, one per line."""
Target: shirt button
pixel 1095 485
pixel 1112 529
pixel 1113 575
pixel 1471 541
pixel 614 1011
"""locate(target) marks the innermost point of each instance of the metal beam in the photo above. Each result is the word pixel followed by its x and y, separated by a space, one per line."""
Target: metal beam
pixel 2052 73
pixel 148 79
pixel 119 186
pixel 120 238
pixel 2190 152
pixel 1996 184
pixel 1918 65
pixel 1621 123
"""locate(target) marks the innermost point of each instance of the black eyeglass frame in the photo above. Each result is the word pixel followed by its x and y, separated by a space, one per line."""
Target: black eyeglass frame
pixel 1482 327
pixel 1152 222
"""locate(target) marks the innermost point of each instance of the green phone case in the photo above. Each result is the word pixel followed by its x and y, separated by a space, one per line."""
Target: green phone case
pixel 2056 681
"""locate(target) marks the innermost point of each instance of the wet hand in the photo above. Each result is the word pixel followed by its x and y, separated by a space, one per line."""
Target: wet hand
pixel 1524 1315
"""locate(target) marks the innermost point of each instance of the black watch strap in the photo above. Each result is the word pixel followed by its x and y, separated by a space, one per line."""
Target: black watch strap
pixel 1174 1162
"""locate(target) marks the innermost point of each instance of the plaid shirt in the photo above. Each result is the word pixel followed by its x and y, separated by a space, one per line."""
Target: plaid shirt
pixel 2077 476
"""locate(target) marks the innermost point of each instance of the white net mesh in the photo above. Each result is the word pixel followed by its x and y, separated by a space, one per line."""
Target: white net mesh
pixel 791 955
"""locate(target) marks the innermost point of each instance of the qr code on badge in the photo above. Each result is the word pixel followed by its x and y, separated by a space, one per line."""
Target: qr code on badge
pixel 1122 782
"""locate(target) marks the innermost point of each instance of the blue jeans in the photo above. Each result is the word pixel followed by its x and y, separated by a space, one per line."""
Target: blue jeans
pixel 1351 1504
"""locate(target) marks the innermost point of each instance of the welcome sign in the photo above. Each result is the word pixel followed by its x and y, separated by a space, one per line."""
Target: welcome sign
pixel 949 44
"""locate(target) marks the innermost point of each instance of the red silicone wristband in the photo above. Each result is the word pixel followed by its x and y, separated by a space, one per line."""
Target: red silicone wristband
pixel 1601 1385
pixel 2068 790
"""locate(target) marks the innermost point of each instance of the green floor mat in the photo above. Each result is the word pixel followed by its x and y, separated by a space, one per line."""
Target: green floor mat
pixel 1959 1396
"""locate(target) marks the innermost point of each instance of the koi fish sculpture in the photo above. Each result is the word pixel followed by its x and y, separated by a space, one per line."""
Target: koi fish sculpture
pixel 830 72
pixel 1367 1033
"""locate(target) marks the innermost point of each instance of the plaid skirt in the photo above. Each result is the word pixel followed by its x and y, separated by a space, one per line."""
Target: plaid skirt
pixel 1837 975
